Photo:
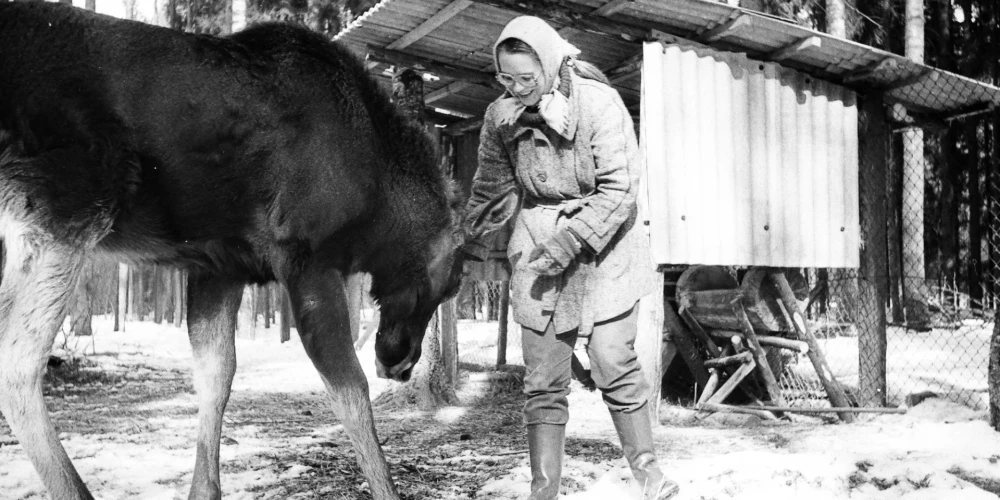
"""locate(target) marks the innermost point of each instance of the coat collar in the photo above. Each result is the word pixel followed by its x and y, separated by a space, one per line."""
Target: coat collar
pixel 521 126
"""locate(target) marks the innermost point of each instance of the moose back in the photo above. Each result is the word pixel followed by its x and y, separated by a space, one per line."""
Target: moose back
pixel 267 155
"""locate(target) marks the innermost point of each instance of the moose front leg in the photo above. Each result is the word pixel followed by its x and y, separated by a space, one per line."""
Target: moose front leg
pixel 319 299
pixel 213 304
pixel 33 296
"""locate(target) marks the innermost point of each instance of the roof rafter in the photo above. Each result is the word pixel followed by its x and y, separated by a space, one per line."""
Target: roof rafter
pixel 797 47
pixel 444 15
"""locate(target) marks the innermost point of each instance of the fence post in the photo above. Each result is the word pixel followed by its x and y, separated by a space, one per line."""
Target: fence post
pixel 502 334
pixel 873 149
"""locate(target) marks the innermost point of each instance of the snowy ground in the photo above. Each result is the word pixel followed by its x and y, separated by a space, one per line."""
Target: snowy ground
pixel 132 436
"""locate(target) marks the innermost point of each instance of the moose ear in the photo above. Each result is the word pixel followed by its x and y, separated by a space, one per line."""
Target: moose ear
pixel 495 213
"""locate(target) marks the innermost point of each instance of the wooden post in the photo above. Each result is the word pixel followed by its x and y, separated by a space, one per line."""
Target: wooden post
pixel 873 149
pixel 684 341
pixel 649 345
pixel 833 389
pixel 502 333
pixel 449 339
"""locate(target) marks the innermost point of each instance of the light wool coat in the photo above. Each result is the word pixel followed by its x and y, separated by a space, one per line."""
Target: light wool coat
pixel 586 179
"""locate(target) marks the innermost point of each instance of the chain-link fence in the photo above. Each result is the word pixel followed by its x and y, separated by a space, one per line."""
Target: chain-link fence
pixel 930 316
pixel 488 336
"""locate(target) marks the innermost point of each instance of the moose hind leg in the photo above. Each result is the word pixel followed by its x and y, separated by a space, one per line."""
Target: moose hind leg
pixel 319 299
pixel 34 291
pixel 213 306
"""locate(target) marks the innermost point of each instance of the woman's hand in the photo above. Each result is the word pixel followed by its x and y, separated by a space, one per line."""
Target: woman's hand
pixel 553 256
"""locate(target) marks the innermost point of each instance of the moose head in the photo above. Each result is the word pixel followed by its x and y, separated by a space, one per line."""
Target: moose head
pixel 406 312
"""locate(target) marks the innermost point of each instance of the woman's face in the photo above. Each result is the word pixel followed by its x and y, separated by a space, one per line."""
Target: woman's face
pixel 522 67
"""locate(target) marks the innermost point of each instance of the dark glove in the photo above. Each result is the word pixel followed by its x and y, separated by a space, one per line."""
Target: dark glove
pixel 553 256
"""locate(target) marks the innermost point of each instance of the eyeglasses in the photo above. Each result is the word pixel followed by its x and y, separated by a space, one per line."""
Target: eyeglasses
pixel 526 80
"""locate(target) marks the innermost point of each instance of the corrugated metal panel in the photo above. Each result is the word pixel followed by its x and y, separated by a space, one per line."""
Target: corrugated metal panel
pixel 748 163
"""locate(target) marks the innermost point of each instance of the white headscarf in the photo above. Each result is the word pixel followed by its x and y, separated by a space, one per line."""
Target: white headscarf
pixel 551 49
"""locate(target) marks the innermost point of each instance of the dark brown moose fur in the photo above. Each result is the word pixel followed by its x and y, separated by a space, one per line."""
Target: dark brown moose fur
pixel 267 155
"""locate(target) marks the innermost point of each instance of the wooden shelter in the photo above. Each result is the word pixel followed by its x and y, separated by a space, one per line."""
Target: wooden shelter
pixel 450 42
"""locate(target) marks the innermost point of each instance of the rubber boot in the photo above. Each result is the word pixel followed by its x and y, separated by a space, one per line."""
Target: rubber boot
pixel 636 435
pixel 545 451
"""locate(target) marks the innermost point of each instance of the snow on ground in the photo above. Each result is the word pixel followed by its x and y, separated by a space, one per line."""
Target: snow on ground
pixel 939 450
pixel 948 362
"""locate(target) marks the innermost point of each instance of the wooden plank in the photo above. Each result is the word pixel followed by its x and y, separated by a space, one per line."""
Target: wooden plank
pixel 833 389
pixel 735 359
pixel 793 345
pixel 849 409
pixel 442 16
pixel 733 381
pixel 721 408
pixel 773 389
pixel 681 336
pixel 611 8
pixel 729 27
pixel 649 345
pixel 802 45
pixel 445 91
pixel 440 69
pixel 562 14
pixel 700 332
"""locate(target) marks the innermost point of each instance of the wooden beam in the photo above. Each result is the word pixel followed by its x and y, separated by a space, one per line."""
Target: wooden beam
pixel 463 126
pixel 726 29
pixel 626 69
pixel 886 64
pixel 975 109
pixel 440 69
pixel 566 14
pixel 442 16
pixel 445 91
pixel 611 8
pixel 802 45
pixel 669 38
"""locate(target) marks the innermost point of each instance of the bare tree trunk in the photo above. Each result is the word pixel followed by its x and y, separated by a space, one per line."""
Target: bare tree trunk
pixel 836 19
pixel 226 27
pixel 914 282
pixel 91 5
pixel 157 294
pixel 975 270
pixel 286 317
pixel 894 232
pixel 267 306
pixel 122 297
pixel 178 278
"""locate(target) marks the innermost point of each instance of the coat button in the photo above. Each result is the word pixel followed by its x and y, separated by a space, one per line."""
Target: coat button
pixel 542 177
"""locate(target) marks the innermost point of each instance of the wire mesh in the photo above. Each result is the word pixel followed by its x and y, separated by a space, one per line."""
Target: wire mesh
pixel 487 336
pixel 939 266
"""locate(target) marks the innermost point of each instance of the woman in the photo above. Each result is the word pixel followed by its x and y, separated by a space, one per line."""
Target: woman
pixel 580 263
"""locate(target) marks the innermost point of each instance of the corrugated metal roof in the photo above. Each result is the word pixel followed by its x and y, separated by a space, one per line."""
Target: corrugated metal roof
pixel 465 40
